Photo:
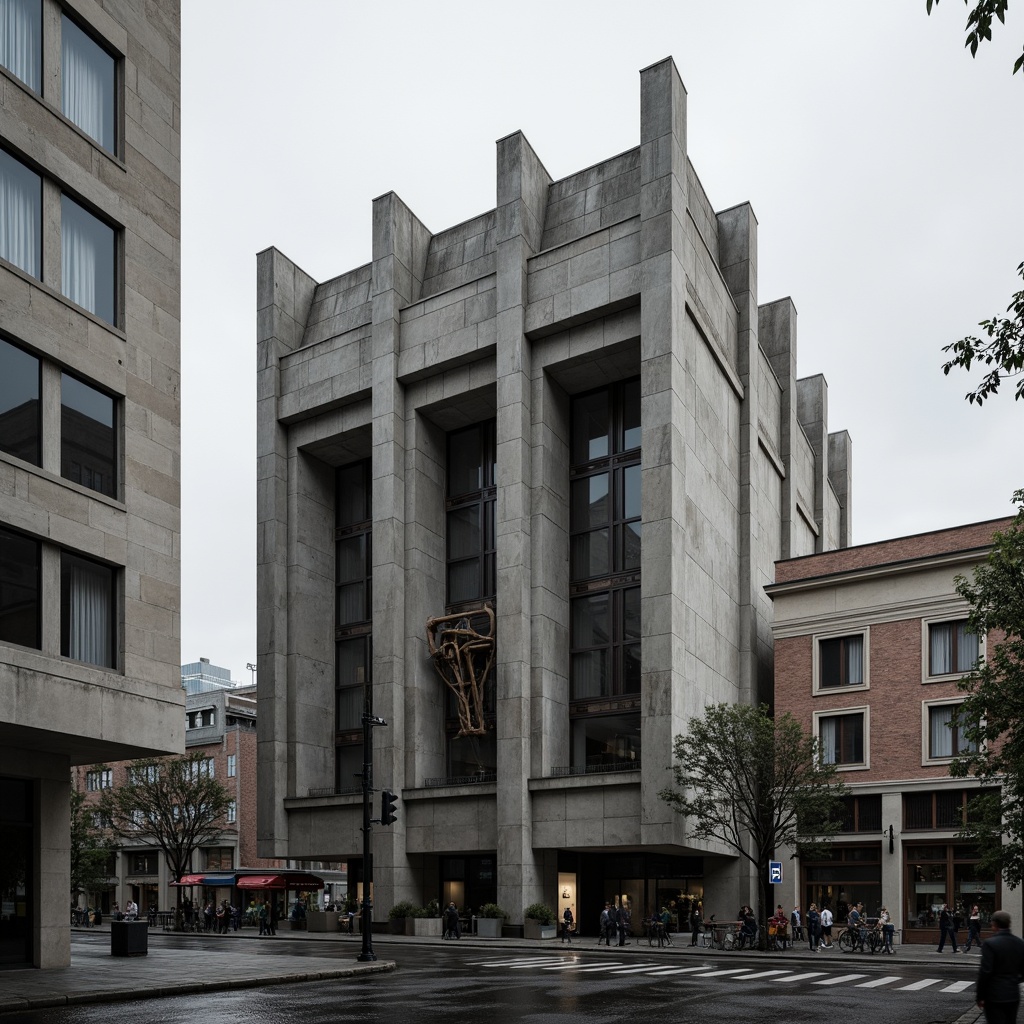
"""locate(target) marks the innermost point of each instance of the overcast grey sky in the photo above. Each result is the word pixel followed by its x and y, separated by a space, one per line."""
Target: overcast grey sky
pixel 883 164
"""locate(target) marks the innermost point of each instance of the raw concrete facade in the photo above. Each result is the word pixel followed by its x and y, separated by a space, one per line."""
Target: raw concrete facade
pixel 896 601
pixel 621 272
pixel 58 710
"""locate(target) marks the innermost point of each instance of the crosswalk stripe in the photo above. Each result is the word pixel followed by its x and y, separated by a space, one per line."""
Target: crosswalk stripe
pixel 507 963
pixel 802 977
pixel 762 974
pixel 918 985
pixel 719 974
pixel 958 986
pixel 579 967
pixel 840 979
pixel 638 969
pixel 880 981
pixel 660 972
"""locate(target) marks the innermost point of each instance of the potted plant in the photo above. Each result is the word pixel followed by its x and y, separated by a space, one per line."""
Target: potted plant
pixel 399 914
pixel 489 920
pixel 539 922
pixel 424 920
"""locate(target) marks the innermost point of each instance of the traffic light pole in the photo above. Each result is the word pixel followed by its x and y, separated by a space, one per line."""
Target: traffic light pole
pixel 369 721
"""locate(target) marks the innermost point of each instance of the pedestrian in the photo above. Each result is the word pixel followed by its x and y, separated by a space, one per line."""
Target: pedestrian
pixel 858 926
pixel 796 924
pixel 624 922
pixel 261 914
pixel 567 922
pixel 695 916
pixel 1001 972
pixel 888 929
pixel 611 923
pixel 131 910
pixel 826 927
pixel 451 922
pixel 973 929
pixel 813 927
pixel 947 927
pixel 666 923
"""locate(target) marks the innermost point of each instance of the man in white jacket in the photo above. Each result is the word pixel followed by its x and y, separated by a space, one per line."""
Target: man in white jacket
pixel 826 928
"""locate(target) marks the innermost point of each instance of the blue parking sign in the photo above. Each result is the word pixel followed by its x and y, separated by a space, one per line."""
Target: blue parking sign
pixel 775 872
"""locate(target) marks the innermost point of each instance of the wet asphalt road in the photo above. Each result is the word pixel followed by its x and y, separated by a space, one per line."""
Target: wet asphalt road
pixel 451 983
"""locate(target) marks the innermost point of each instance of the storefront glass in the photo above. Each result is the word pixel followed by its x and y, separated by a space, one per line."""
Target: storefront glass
pixel 940 873
pixel 846 876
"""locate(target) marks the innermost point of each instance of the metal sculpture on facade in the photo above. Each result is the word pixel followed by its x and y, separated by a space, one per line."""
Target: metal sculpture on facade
pixel 463 657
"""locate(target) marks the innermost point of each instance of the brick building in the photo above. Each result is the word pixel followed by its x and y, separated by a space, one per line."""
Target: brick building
pixel 572 408
pixel 869 646
pixel 89 425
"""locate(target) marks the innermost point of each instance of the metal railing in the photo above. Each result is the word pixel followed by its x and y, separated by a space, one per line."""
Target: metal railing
pixel 594 769
pixel 461 780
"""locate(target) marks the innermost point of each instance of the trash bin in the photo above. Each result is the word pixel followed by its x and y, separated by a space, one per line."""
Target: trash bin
pixel 129 938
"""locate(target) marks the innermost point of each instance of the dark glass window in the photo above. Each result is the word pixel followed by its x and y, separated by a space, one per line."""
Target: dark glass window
pixel 353 648
pixel 21 215
pixel 20 409
pixel 87 260
pixel 842 661
pixel 87 84
pixel 842 738
pixel 940 809
pixel 87 607
pixel 87 439
pixel 862 813
pixel 470 516
pixel 21 40
pixel 19 590
pixel 604 565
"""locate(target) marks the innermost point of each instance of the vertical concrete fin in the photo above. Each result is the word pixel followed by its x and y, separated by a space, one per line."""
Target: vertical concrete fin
pixel 522 191
pixel 777 338
pixel 812 411
pixel 400 245
pixel 840 475
pixel 284 295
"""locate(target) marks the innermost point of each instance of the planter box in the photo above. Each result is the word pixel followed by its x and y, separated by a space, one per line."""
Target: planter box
pixel 489 927
pixel 423 926
pixel 322 921
pixel 536 930
pixel 396 925
pixel 129 938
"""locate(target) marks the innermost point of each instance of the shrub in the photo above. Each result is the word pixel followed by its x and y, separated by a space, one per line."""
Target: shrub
pixel 403 909
pixel 491 910
pixel 539 912
pixel 432 909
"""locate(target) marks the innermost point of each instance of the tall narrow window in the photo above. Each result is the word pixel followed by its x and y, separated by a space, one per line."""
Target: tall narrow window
pixel 21 215
pixel 20 410
pixel 87 610
pixel 352 618
pixel 841 738
pixel 604 564
pixel 87 260
pixel 87 90
pixel 841 661
pixel 19 590
pixel 21 40
pixel 471 489
pixel 945 738
pixel 951 648
pixel 87 451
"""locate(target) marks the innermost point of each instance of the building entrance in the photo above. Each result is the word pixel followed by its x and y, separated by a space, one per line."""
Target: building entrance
pixel 17 909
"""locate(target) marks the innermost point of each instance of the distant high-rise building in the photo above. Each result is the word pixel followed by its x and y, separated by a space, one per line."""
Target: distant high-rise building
pixel 89 426
pixel 202 677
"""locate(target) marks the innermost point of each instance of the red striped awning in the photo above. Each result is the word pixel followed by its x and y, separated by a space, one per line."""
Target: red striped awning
pixel 189 880
pixel 293 881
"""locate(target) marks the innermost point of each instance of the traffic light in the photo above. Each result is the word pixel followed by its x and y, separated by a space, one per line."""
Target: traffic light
pixel 388 806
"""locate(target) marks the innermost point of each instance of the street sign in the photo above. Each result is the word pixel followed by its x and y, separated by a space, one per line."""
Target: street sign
pixel 775 872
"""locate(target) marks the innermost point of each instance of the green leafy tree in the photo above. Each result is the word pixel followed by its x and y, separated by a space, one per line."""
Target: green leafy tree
pixel 992 714
pixel 90 847
pixel 173 804
pixel 755 783
pixel 979 24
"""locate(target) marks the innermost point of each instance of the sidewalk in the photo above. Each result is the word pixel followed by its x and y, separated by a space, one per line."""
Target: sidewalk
pixel 243 959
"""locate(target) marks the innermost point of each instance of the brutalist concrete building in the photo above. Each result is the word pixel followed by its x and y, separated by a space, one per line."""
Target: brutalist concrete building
pixel 524 481
pixel 89 426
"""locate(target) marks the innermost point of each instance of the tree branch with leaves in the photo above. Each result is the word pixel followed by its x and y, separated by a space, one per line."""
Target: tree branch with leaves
pixel 90 848
pixel 992 714
pixel 755 783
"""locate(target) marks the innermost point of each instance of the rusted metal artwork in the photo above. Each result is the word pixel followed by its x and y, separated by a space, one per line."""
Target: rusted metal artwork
pixel 463 658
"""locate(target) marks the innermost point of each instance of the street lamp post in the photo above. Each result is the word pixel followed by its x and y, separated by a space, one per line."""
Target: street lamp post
pixel 369 721
pixel 251 666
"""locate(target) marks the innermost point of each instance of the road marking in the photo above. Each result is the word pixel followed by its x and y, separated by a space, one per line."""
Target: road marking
pixel 840 979
pixel 660 972
pixel 958 986
pixel 506 963
pixel 878 982
pixel 918 985
pixel 802 977
pixel 634 970
pixel 762 974
pixel 719 974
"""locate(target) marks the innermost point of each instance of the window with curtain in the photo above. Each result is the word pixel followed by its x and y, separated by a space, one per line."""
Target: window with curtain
pixel 604 565
pixel 951 648
pixel 87 260
pixel 87 440
pixel 20 590
pixel 87 84
pixel 20 408
pixel 841 738
pixel 945 738
pixel 21 40
pixel 87 610
pixel 21 215
pixel 841 661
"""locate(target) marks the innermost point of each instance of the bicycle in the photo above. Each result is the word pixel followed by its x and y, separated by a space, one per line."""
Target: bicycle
pixel 851 940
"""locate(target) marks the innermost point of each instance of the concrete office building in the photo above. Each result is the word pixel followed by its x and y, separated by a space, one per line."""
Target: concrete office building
pixel 570 408
pixel 870 643
pixel 89 426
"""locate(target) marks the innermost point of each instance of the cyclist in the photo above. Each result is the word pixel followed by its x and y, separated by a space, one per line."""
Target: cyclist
pixel 858 927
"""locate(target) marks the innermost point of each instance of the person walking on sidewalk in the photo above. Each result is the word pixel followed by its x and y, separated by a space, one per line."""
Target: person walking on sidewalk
pixel 947 928
pixel 813 927
pixel 973 929
pixel 1001 972
pixel 826 928
pixel 567 923
pixel 888 930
